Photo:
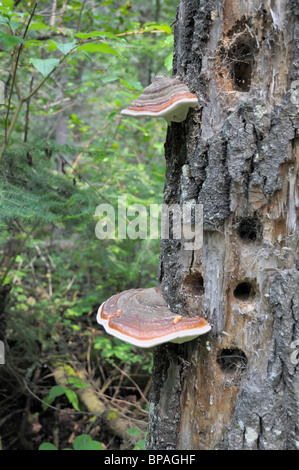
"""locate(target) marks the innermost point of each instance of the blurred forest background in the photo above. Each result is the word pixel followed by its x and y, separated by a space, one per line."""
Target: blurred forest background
pixel 69 67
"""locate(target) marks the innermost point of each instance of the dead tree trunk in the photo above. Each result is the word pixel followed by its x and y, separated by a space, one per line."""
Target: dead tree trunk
pixel 4 293
pixel 237 387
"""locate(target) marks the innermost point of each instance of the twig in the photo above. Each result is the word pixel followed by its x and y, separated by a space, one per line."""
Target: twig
pixel 22 101
pixel 53 12
pixel 133 382
pixel 51 105
pixel 27 110
pixel 140 31
pixel 135 405
pixel 80 15
pixel 49 273
pixel 86 146
pixel 55 407
pixel 15 66
pixel 63 10
pixel 63 109
pixel 86 181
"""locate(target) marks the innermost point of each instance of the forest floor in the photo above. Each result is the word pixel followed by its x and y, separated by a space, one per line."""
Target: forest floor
pixel 37 406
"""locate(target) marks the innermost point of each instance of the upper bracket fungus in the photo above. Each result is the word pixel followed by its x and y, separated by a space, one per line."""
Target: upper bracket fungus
pixel 166 97
pixel 141 317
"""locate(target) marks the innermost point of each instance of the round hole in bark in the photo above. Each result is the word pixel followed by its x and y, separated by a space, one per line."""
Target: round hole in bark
pixel 249 229
pixel 244 291
pixel 231 360
pixel 194 283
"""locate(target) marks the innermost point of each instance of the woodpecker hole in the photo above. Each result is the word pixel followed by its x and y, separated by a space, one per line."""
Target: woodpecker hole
pixel 237 53
pixel 240 58
pixel 249 229
pixel 231 360
pixel 194 284
pixel 244 291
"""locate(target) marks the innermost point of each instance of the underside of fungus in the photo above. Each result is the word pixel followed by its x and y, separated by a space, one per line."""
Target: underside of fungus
pixel 165 97
pixel 141 317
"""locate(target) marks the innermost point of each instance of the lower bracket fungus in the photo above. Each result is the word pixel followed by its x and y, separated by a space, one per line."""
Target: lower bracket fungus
pixel 165 97
pixel 142 317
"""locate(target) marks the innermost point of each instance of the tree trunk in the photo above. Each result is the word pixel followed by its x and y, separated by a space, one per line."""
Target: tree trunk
pixel 238 155
pixel 4 294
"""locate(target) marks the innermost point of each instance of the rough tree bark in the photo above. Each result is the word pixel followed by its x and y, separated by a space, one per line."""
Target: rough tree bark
pixel 238 155
pixel 4 294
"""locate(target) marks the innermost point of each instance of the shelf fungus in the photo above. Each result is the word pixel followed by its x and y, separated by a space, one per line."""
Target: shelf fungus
pixel 141 317
pixel 166 97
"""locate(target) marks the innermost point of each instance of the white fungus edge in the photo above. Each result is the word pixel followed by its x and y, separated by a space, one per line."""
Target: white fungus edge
pixel 175 337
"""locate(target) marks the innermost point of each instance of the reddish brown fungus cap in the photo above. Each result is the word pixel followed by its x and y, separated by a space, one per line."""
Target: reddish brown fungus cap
pixel 142 317
pixel 166 97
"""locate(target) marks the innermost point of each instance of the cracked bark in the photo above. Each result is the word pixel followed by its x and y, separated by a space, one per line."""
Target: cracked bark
pixel 238 155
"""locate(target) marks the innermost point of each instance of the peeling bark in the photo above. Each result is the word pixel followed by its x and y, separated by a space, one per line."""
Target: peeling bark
pixel 238 155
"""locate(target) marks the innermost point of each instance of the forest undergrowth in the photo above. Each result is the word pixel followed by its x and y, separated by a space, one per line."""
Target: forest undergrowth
pixel 68 68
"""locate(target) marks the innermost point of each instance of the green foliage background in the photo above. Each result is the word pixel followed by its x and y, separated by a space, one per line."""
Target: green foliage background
pixel 70 150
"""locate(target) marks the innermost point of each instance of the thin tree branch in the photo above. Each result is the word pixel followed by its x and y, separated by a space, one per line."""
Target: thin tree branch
pixel 52 19
pixel 15 66
pixel 80 16
pixel 23 100
pixel 80 155
pixel 27 110
pixel 63 10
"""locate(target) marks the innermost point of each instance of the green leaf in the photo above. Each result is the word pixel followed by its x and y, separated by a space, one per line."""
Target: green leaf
pixel 76 119
pixel 76 382
pixel 86 55
pixel 8 22
pixel 35 43
pixel 140 445
pixel 4 20
pixel 109 79
pixel 168 61
pixel 96 34
pixel 73 399
pixel 85 442
pixel 161 27
pixel 66 47
pixel 47 446
pixel 134 432
pixel 10 41
pixel 81 441
pixel 132 85
pixel 94 445
pixel 38 26
pixel 7 3
pixel 56 391
pixel 104 48
pixel 44 66
pixel 14 25
pixel 165 28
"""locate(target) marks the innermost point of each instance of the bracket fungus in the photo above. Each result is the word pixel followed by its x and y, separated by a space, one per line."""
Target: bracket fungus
pixel 141 317
pixel 165 97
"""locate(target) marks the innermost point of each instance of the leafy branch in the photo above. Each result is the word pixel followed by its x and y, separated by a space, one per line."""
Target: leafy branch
pixel 47 67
